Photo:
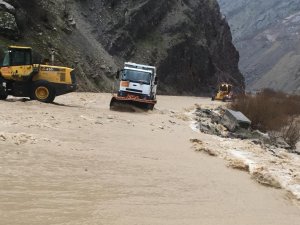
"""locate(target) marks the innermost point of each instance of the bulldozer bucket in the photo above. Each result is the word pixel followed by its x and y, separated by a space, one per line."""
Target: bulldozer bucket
pixel 117 103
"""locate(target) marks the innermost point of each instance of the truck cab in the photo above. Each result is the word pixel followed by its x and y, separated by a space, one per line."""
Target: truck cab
pixel 138 80
pixel 138 85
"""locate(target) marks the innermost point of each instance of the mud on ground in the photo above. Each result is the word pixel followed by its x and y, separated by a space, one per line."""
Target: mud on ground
pixel 77 162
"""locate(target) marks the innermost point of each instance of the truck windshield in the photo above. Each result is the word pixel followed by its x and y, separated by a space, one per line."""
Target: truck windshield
pixel 17 57
pixel 6 59
pixel 137 76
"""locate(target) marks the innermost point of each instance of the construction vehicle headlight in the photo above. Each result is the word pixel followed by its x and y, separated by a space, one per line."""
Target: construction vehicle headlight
pixel 124 83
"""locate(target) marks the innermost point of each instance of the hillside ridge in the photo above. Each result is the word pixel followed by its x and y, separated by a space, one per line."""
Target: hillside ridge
pixel 189 41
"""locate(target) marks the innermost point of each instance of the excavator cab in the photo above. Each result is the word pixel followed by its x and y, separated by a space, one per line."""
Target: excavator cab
pixel 17 64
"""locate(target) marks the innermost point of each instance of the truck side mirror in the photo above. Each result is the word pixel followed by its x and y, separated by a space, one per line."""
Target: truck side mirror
pixel 118 74
pixel 155 80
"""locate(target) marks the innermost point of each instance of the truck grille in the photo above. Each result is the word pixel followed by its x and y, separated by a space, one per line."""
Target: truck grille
pixel 134 90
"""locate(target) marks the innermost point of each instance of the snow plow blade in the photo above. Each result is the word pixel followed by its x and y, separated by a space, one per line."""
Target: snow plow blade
pixel 123 103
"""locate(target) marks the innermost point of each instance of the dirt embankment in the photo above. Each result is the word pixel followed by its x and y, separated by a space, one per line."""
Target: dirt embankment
pixel 76 162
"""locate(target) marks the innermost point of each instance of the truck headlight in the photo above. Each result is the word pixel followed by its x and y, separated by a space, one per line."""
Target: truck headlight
pixel 124 84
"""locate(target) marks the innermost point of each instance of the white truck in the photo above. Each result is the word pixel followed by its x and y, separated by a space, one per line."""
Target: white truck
pixel 138 85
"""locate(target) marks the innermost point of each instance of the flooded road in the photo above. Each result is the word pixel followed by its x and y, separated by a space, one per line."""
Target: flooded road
pixel 77 162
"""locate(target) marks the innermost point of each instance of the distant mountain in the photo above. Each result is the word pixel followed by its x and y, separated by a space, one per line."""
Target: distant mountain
pixel 267 35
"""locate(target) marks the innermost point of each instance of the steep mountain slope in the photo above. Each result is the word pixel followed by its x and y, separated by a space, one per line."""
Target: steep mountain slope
pixel 188 41
pixel 266 33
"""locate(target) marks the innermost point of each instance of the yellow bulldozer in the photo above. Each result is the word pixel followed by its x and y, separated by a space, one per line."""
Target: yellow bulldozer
pixel 224 93
pixel 21 78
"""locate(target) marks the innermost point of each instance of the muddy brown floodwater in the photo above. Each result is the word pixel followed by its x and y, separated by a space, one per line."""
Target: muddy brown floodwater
pixel 77 162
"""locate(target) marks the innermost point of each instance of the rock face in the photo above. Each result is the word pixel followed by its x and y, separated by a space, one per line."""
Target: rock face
pixel 8 24
pixel 266 33
pixel 189 41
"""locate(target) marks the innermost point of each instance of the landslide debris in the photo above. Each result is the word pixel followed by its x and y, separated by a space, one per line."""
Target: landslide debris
pixel 211 121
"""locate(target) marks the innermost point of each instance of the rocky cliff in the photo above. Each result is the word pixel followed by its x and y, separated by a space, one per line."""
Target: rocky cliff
pixel 266 33
pixel 188 40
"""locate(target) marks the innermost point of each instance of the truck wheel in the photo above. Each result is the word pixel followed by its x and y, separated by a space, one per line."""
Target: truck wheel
pixel 43 92
pixel 3 93
pixel 3 96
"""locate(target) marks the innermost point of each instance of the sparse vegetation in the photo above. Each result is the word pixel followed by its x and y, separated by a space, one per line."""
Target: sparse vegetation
pixel 272 111
pixel 291 132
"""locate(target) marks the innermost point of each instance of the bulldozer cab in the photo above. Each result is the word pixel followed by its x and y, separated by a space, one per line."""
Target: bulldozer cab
pixel 17 63
pixel 224 92
pixel 225 88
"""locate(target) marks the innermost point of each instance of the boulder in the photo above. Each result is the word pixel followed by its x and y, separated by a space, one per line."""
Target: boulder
pixel 281 143
pixel 234 120
pixel 8 25
pixel 260 135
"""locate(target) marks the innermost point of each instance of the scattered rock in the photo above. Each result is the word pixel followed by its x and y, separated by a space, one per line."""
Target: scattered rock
pixel 257 142
pixel 110 117
pixel 280 143
pixel 215 116
pixel 256 134
pixel 67 30
pixel 18 138
pixel 8 25
pixel 71 22
pixel 2 137
pixel 296 151
pixel 233 124
pixel 234 120
pixel 172 122
pixel 196 141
